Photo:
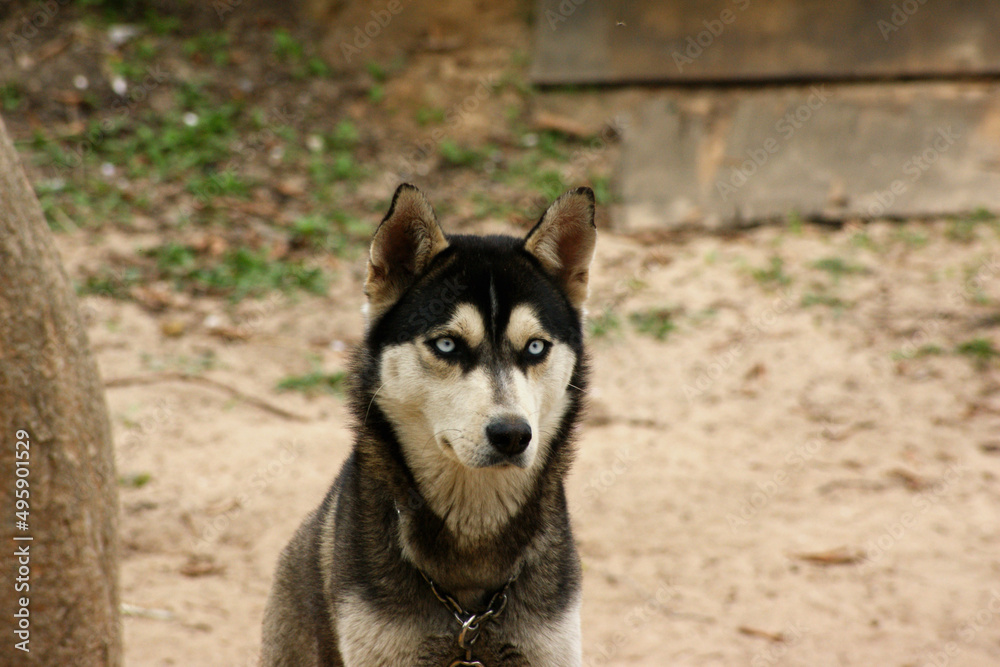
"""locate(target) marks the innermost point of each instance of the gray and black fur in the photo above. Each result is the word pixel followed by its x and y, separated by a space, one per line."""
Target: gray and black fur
pixel 348 589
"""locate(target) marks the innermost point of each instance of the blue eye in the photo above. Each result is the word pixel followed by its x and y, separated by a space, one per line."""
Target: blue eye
pixel 445 345
pixel 536 347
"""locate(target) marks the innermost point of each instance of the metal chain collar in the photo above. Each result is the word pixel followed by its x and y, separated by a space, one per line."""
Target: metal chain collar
pixel 471 623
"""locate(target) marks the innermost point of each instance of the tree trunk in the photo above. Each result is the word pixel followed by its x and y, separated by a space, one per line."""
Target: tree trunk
pixel 64 567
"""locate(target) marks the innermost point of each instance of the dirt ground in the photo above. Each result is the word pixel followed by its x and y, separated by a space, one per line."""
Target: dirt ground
pixel 792 450
pixel 773 483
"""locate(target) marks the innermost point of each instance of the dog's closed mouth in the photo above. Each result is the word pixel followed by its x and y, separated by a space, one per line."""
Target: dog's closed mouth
pixel 503 461
pixel 493 460
pixel 488 460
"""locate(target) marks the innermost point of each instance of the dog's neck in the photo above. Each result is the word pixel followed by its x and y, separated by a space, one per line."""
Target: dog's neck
pixel 470 569
pixel 459 531
pixel 441 535
pixel 474 503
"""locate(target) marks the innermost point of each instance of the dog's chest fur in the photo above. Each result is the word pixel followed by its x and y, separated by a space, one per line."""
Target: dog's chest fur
pixel 368 638
pixel 382 611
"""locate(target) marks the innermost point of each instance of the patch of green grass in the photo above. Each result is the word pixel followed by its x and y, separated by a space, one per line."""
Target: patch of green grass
pixel 377 71
pixel 376 93
pixel 962 231
pixel 88 203
pixel 604 324
pixel 634 284
pixel 516 81
pixel 794 223
pixel 175 145
pixel 171 257
pixel 345 168
pixel 456 155
pixel 48 152
pixel 927 350
pixel 535 172
pixel 518 57
pixel 258 117
pixel 197 365
pixel 145 50
pixel 286 47
pixel 658 323
pixel 316 66
pixel 212 45
pixel 554 145
pixel 773 275
pixel 980 350
pixel 864 240
pixel 337 233
pixel 50 193
pixel 293 53
pixel 114 284
pixel 314 382
pixel 704 315
pixel 310 230
pixel 603 192
pixel 838 267
pixel 973 283
pixel 191 95
pixel 429 116
pixel 11 96
pixel 135 480
pixel 129 68
pixel 910 238
pixel 227 184
pixel 814 299
pixel 966 228
pixel 982 215
pixel 341 166
pixel 549 183
pixel 160 24
pixel 238 273
pixel 488 207
pixel 345 136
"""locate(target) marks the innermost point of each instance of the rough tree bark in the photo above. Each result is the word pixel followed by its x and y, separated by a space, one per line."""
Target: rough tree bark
pixel 50 390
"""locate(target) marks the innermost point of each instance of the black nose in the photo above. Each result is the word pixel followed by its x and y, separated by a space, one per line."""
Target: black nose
pixel 509 435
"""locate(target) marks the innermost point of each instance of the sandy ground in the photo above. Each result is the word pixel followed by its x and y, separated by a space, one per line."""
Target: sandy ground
pixel 775 483
pixel 803 472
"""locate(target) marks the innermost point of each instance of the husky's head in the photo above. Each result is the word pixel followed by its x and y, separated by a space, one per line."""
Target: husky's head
pixel 474 342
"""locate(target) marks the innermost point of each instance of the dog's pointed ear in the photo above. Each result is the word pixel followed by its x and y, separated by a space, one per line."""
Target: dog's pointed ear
pixel 563 242
pixel 404 244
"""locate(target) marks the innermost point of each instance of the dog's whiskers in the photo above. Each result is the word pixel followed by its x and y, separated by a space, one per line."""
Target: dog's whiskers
pixel 368 411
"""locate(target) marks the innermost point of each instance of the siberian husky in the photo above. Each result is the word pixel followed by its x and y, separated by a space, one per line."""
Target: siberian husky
pixel 445 539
